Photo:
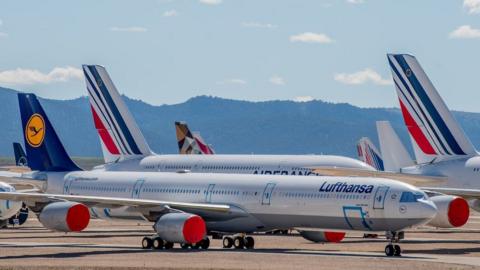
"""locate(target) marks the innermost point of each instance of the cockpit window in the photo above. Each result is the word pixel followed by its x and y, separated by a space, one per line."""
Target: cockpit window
pixel 411 197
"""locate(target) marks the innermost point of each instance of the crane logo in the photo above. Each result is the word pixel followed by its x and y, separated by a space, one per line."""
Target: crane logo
pixel 35 130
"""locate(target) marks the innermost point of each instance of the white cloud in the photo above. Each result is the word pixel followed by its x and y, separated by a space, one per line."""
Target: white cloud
pixel 277 80
pixel 211 2
pixel 170 13
pixel 128 29
pixel 258 25
pixel 361 77
pixel 232 81
pixel 303 99
pixel 465 32
pixel 22 76
pixel 3 34
pixel 473 6
pixel 355 2
pixel 310 37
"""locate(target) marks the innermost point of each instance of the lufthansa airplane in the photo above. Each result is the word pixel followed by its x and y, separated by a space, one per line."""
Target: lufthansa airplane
pixel 186 207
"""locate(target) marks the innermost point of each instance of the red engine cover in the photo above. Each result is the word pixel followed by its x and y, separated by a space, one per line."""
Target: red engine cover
pixel 458 212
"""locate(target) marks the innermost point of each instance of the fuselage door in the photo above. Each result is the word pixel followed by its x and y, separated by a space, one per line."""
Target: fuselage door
pixel 267 193
pixel 380 195
pixel 208 194
pixel 137 187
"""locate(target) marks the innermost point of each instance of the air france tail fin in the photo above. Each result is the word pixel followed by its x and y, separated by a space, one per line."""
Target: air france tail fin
pixel 119 134
pixel 20 157
pixel 395 155
pixel 368 153
pixel 190 143
pixel 434 131
pixel 45 152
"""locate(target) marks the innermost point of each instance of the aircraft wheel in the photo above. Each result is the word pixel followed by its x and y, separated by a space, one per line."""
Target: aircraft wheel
pixel 239 242
pixel 184 245
pixel 398 251
pixel 168 245
pixel 205 243
pixel 146 242
pixel 249 242
pixel 389 250
pixel 227 242
pixel 157 243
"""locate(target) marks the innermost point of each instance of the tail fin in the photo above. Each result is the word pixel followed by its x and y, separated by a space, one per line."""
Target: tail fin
pixel 368 153
pixel 190 143
pixel 434 132
pixel 119 134
pixel 45 152
pixel 20 157
pixel 395 155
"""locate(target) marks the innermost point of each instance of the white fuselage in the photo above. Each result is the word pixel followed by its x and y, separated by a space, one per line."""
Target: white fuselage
pixel 235 164
pixel 259 202
pixel 460 173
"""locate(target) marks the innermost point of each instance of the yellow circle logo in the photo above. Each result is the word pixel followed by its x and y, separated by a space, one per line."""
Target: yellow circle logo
pixel 35 130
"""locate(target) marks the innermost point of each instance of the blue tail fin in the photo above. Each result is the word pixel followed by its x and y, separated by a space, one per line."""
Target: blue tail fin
pixel 20 157
pixel 45 152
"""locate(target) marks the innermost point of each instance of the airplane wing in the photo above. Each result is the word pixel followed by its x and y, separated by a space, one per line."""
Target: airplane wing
pixel 461 192
pixel 413 179
pixel 97 201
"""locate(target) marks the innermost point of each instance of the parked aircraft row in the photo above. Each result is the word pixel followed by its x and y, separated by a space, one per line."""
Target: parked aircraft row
pixel 188 197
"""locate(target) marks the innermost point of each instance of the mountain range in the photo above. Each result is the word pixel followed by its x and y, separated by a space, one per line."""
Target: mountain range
pixel 231 126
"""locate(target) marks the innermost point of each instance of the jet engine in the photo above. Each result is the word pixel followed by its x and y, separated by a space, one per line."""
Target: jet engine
pixel 181 228
pixel 453 211
pixel 8 208
pixel 65 216
pixel 322 236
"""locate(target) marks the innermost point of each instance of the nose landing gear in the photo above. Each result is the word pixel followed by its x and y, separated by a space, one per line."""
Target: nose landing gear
pixel 393 249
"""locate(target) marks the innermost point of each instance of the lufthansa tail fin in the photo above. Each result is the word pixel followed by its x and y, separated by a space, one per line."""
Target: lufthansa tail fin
pixel 190 143
pixel 20 157
pixel 45 152
pixel 435 133
pixel 119 134
pixel 394 153
pixel 368 153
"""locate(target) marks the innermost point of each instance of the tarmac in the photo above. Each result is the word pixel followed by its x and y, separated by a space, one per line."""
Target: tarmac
pixel 116 245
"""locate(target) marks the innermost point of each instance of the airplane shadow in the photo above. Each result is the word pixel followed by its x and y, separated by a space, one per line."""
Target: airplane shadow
pixel 130 250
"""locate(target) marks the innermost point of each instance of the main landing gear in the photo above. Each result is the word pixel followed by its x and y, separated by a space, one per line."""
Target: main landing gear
pixel 393 249
pixel 157 243
pixel 238 242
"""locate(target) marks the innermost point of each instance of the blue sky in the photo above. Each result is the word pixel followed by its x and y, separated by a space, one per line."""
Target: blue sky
pixel 166 51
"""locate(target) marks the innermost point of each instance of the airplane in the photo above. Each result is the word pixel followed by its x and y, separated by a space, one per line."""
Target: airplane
pixel 185 207
pixel 440 145
pixel 125 148
pixel 191 142
pixel 20 157
pixel 368 153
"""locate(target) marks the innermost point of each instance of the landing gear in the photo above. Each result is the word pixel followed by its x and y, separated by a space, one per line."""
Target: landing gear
pixel 239 242
pixel 147 242
pixel 227 242
pixel 157 243
pixel 394 249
